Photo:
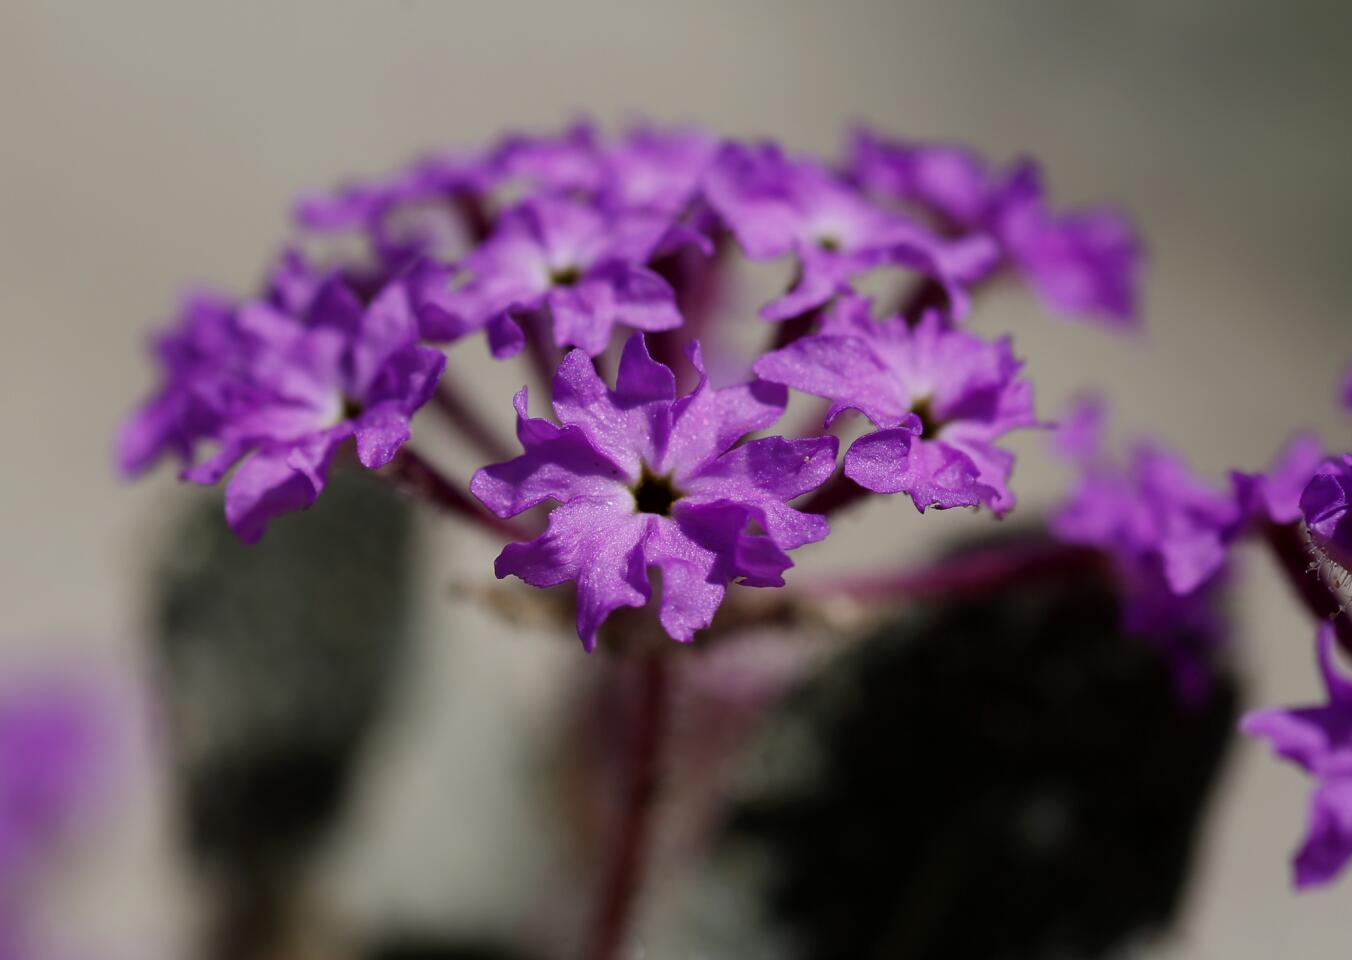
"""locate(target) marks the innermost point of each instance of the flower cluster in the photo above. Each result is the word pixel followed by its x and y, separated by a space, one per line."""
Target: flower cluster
pixel 586 253
pixel 546 244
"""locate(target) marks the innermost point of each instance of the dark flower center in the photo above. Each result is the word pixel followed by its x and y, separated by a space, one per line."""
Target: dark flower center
pixel 565 276
pixel 655 494
pixel 930 424
pixel 829 242
pixel 352 409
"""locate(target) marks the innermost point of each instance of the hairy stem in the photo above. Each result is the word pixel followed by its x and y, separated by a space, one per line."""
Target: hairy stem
pixel 411 471
pixel 628 856
pixel 1303 573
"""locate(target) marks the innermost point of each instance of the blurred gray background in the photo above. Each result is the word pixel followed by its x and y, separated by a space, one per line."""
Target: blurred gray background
pixel 146 145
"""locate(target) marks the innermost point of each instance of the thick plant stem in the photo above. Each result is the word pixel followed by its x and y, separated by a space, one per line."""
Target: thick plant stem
pixel 412 472
pixel 1305 577
pixel 623 873
pixel 461 414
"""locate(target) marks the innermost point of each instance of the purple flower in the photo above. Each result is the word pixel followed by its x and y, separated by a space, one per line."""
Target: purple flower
pixel 1156 515
pixel 1081 263
pixel 1326 504
pixel 1084 263
pixel 941 398
pixel 1318 738
pixel 659 170
pixel 423 209
pixel 1274 496
pixel 49 752
pixel 776 207
pixel 946 182
pixel 286 394
pixel 584 267
pixel 203 358
pixel 646 479
pixel 570 162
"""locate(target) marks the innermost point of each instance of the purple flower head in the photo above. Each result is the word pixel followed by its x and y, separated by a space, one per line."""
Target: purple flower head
pixel 1083 263
pixel 585 267
pixel 646 479
pixel 419 211
pixel 776 207
pixel 940 397
pixel 1318 738
pixel 1155 515
pixel 1274 496
pixel 1326 505
pixel 658 169
pixel 948 183
pixel 569 162
pixel 286 393
pixel 202 358
pixel 49 758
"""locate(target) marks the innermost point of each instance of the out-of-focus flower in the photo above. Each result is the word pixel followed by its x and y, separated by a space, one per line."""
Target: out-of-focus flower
pixel 285 394
pixel 49 753
pixel 646 479
pixel 776 206
pixel 1156 514
pixel 1083 263
pixel 1318 738
pixel 941 398
pixel 1275 495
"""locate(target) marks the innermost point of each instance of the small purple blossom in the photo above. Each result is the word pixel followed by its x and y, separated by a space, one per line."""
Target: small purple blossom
pixel 1155 514
pixel 658 169
pixel 1083 263
pixel 776 206
pixel 1274 496
pixel 202 358
pixel 941 398
pixel 1326 505
pixel 1318 738
pixel 424 209
pixel 645 479
pixel 49 759
pixel 283 394
pixel 584 267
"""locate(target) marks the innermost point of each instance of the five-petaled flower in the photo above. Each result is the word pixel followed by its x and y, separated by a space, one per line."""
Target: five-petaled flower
pixel 940 397
pixel 646 479
pixel 583 267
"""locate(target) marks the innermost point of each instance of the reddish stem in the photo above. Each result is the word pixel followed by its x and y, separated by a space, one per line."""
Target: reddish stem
pixel 971 573
pixel 462 415
pixel 1306 578
pixel 624 873
pixel 540 349
pixel 411 471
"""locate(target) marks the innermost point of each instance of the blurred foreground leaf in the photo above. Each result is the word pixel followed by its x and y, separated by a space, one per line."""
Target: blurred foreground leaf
pixel 1001 777
pixel 279 657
